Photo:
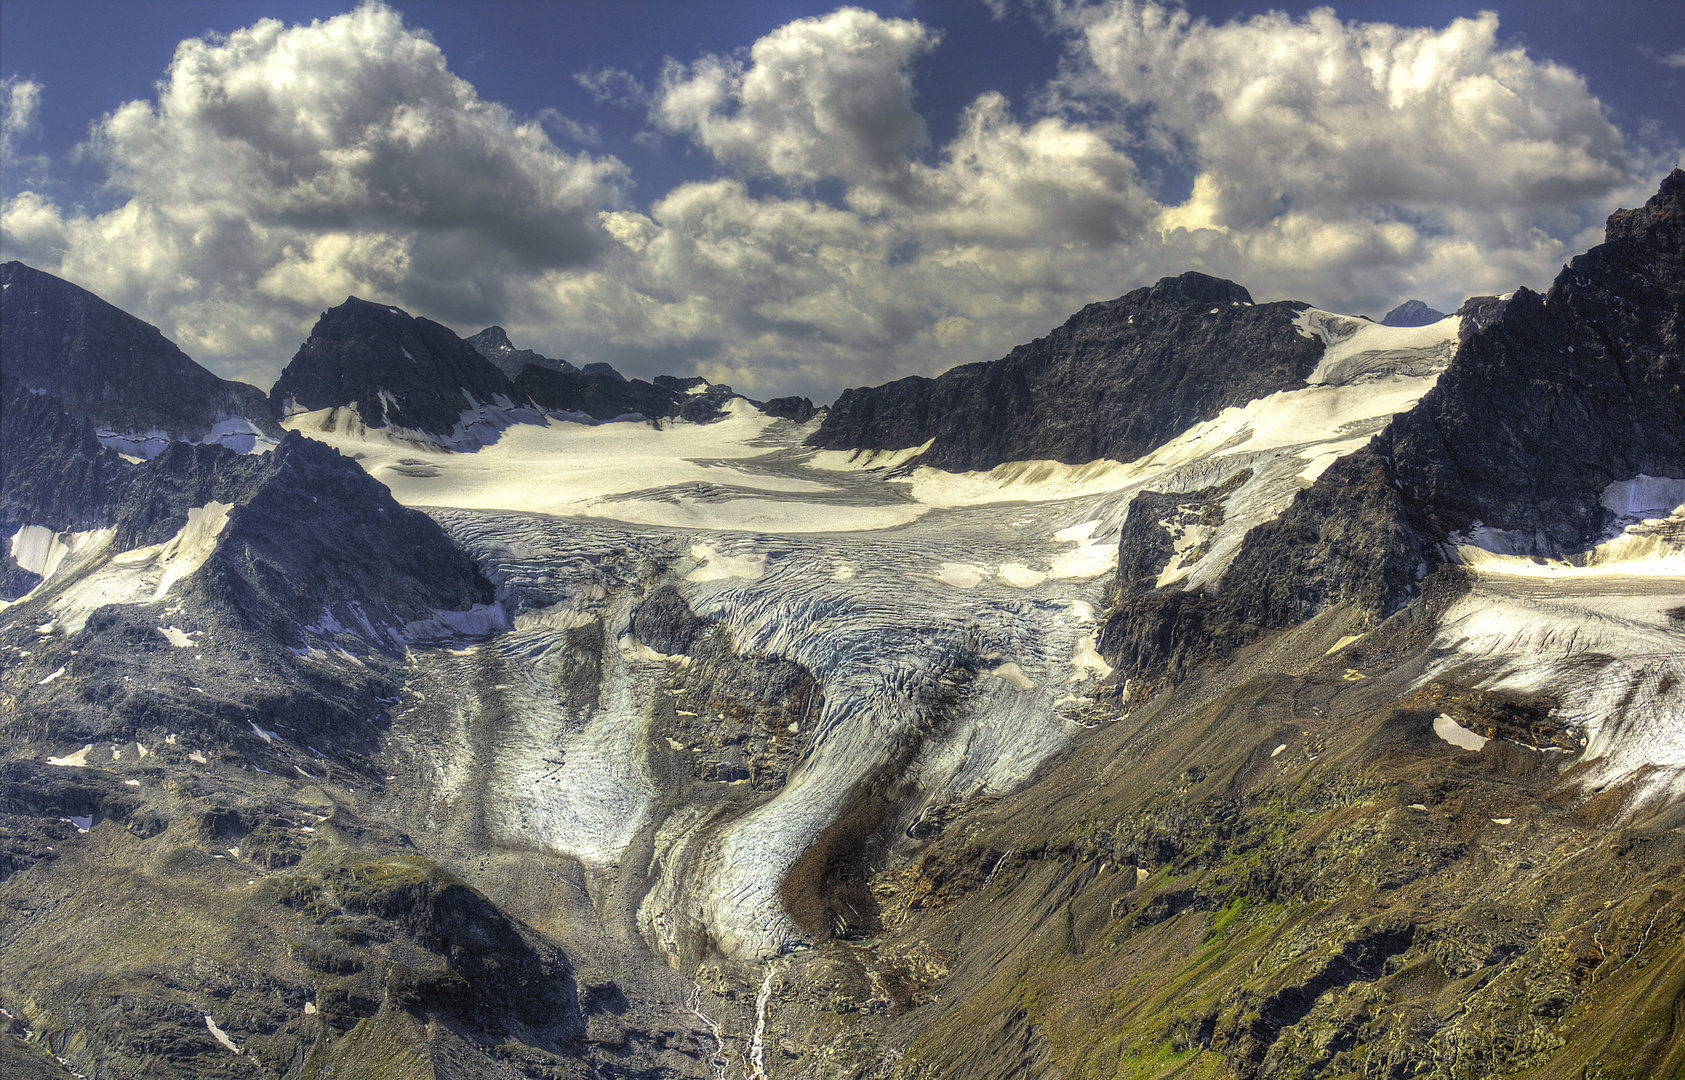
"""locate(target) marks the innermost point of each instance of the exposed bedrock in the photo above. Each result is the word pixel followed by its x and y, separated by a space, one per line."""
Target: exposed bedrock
pixel 1115 381
pixel 1560 395
pixel 211 602
pixel 493 343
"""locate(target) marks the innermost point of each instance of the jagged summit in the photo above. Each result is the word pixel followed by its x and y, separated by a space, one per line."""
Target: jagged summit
pixel 1602 357
pixel 1116 380
pixel 133 385
pixel 397 370
pixel 493 343
pixel 1412 313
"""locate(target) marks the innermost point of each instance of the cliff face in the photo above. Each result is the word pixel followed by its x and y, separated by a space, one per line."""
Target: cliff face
pixel 1118 379
pixel 1547 401
pixel 1559 395
pixel 119 374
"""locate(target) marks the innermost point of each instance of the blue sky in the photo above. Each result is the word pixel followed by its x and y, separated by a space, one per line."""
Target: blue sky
pixel 793 197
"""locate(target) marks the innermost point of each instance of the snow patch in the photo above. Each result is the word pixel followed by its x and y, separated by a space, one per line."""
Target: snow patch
pixel 42 551
pixel 1456 734
pixel 961 575
pixel 220 1035
pixel 1357 349
pixel 188 549
pixel 1010 672
pixel 1644 496
pixel 77 760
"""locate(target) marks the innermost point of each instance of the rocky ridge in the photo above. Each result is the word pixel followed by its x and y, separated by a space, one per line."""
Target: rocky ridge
pixel 493 343
pixel 1547 401
pixel 397 371
pixel 136 389
pixel 1411 313
pixel 1115 381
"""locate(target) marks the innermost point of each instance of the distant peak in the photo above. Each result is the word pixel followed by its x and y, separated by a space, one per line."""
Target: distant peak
pixel 1412 313
pixel 493 338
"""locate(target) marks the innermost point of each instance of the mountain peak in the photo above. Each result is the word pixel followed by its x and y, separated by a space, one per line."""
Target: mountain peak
pixel 395 368
pixel 119 374
pixel 1412 313
pixel 1198 288
pixel 491 339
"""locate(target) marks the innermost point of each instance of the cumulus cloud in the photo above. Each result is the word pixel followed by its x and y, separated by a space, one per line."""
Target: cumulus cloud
pixel 281 167
pixel 823 97
pixel 1357 158
pixel 1349 164
pixel 20 106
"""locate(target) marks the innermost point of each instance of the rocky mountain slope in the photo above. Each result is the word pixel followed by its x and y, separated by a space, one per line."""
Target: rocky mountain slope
pixel 1325 720
pixel 1117 380
pixel 1412 313
pixel 120 375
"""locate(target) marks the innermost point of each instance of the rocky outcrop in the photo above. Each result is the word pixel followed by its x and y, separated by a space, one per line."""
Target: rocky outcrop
pixel 1412 313
pixel 397 371
pixel 1118 379
pixel 253 601
pixel 118 374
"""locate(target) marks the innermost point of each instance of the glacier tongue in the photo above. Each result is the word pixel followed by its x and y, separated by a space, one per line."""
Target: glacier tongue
pixel 913 714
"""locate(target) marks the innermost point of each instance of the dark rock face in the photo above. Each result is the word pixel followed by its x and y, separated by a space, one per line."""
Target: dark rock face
pixel 314 535
pixel 494 344
pixel 795 409
pixel 314 557
pixel 106 366
pixel 395 368
pixel 597 395
pixel 1412 313
pixel 1146 546
pixel 1115 381
pixel 1556 396
pixel 53 472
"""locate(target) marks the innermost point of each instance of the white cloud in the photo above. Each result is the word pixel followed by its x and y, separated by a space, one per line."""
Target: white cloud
pixel 1350 164
pixel 20 105
pixel 824 97
pixel 1675 59
pixel 281 166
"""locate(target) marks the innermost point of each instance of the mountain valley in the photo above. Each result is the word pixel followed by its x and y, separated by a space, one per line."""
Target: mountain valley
pixel 1207 689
